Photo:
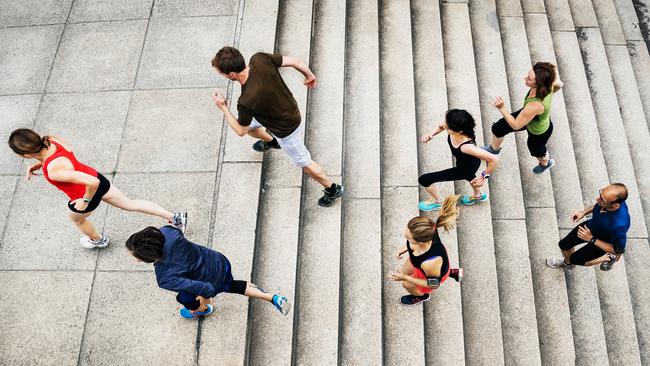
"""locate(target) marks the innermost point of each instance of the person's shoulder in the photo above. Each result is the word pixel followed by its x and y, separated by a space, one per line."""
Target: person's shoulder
pixel 271 59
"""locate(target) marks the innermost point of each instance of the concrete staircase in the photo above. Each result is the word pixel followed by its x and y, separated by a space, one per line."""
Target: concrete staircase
pixel 388 72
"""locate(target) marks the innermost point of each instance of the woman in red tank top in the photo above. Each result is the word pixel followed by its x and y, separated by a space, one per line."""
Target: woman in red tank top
pixel 85 187
pixel 427 266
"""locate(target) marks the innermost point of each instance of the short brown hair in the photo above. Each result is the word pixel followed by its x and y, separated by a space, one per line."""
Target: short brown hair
pixel 147 244
pixel 228 60
pixel 544 78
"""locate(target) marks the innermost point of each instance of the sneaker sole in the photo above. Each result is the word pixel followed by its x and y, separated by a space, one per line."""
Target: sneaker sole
pixel 417 303
pixel 286 308
pixel 545 169
pixel 429 210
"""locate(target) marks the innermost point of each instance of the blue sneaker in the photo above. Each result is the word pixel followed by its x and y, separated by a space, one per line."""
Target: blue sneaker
pixel 469 200
pixel 429 205
pixel 282 304
pixel 539 169
pixel 187 313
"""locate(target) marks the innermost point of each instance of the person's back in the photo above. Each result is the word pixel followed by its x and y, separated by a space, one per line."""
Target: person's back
pixel 184 261
pixel 266 97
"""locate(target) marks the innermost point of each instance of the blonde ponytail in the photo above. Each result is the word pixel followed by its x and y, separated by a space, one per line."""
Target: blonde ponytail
pixel 449 213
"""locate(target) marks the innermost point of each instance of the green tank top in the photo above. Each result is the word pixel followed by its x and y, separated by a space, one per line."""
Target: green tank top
pixel 541 122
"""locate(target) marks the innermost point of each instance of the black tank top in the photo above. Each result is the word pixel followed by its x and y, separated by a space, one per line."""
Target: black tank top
pixel 437 249
pixel 464 161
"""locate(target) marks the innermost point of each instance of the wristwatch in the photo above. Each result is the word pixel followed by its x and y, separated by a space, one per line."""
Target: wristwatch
pixel 593 240
pixel 485 175
pixel 87 200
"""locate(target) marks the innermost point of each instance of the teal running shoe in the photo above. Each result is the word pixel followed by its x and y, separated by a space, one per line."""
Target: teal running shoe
pixel 187 313
pixel 429 205
pixel 282 304
pixel 469 200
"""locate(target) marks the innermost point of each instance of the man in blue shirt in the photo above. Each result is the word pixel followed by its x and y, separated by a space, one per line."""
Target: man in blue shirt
pixel 195 272
pixel 605 233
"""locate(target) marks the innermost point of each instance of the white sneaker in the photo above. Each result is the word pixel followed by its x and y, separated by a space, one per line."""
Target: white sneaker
pixel 180 220
pixel 558 262
pixel 85 242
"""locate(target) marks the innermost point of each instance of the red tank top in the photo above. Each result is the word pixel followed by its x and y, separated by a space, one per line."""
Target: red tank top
pixel 73 190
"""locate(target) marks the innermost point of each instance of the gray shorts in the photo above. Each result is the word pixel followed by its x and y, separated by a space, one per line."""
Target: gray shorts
pixel 293 145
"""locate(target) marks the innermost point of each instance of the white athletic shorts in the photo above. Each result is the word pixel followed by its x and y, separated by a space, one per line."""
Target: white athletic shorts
pixel 292 145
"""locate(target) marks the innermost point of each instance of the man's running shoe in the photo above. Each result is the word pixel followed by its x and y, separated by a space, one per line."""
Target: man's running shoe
pixel 262 145
pixel 187 313
pixel 85 242
pixel 429 205
pixel 331 194
pixel 414 300
pixel 457 274
pixel 558 262
pixel 491 150
pixel 539 168
pixel 469 200
pixel 606 266
pixel 281 303
pixel 180 220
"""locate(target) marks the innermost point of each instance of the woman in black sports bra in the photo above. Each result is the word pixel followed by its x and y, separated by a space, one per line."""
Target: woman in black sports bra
pixel 428 264
pixel 461 139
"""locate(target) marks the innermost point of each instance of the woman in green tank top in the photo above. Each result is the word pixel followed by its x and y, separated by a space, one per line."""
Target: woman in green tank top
pixel 534 117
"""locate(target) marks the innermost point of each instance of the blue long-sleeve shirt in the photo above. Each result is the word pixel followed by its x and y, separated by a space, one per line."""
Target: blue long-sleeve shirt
pixel 189 267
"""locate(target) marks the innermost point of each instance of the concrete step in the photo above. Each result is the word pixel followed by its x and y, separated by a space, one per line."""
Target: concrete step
pixel 516 300
pixel 443 319
pixel 637 49
pixel 553 317
pixel 361 275
pixel 483 341
pixel 271 336
pixel 586 321
pixel 398 178
pixel 319 257
pixel 239 201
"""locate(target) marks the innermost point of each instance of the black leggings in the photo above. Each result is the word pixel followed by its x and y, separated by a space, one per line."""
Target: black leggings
pixel 447 175
pixel 583 255
pixel 536 143
pixel 189 301
pixel 104 186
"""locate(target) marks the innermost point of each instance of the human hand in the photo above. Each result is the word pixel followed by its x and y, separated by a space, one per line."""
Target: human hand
pixel 584 233
pixel 400 253
pixel 426 138
pixel 203 302
pixel 498 102
pixel 32 169
pixel 310 81
pixel 396 275
pixel 79 204
pixel 576 216
pixel 219 100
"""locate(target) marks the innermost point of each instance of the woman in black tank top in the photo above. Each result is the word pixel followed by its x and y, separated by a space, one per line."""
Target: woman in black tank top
pixel 428 263
pixel 459 124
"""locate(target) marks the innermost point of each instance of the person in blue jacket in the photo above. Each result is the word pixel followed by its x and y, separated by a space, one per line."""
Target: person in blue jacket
pixel 193 271
pixel 605 233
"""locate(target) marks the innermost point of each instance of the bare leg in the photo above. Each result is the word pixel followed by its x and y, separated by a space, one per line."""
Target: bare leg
pixel 477 190
pixel 543 161
pixel 255 292
pixel 116 198
pixel 496 142
pixel 260 133
pixel 412 289
pixel 85 226
pixel 567 254
pixel 433 191
pixel 316 172
pixel 599 260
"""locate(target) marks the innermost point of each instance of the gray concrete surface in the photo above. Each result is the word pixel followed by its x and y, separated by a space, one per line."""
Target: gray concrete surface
pixel 128 84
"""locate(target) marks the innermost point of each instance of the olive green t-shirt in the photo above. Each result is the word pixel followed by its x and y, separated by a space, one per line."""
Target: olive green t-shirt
pixel 267 98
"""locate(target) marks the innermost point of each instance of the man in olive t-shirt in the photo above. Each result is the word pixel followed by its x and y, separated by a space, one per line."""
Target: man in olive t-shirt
pixel 266 101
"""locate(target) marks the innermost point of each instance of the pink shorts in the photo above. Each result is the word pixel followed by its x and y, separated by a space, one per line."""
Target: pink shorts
pixel 418 273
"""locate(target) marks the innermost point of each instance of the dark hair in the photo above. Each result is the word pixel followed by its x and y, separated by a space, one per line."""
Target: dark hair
pixel 25 141
pixel 459 120
pixel 147 244
pixel 544 78
pixel 228 60
pixel 621 192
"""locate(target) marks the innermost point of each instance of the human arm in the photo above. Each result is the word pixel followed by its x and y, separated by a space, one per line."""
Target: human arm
pixel 32 168
pixel 492 161
pixel 431 269
pixel 585 234
pixel 310 78
pixel 401 251
pixel 61 170
pixel 222 104
pixel 437 130
pixel 176 283
pixel 523 118
pixel 578 215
